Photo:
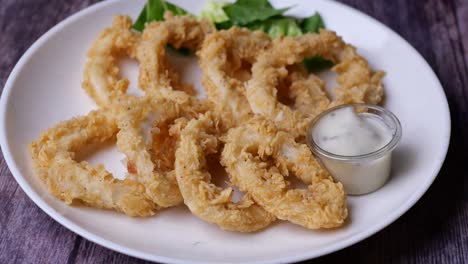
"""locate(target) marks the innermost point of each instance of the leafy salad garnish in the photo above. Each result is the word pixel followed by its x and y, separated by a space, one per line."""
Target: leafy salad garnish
pixel 243 12
pixel 154 11
pixel 252 14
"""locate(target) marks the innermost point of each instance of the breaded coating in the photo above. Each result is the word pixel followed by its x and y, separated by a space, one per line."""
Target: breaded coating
pixel 259 158
pixel 357 83
pixel 69 180
pixel 101 80
pixel 156 73
pixel 308 94
pixel 140 138
pixel 204 199
pixel 224 57
pixel 260 100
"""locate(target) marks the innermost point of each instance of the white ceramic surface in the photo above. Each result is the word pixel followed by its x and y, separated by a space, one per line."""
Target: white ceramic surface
pixel 44 88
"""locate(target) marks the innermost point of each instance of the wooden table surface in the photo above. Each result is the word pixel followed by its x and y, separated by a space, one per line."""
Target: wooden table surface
pixel 435 230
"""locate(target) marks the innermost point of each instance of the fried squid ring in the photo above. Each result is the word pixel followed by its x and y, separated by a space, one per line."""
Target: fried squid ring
pixel 54 161
pixel 223 58
pixel 144 138
pixel 204 199
pixel 179 31
pixel 101 80
pixel 357 83
pixel 257 156
pixel 306 91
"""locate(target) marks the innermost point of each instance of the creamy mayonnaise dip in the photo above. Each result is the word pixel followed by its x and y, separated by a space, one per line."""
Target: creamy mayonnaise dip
pixel 356 147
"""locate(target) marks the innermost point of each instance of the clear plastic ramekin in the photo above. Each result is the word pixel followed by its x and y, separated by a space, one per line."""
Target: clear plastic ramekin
pixel 364 173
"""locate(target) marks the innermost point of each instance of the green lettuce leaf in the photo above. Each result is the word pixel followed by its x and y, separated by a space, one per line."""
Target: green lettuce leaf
pixel 154 11
pixel 253 14
pixel 243 12
pixel 276 27
pixel 317 63
pixel 213 11
pixel 139 24
pixel 224 25
pixel 312 24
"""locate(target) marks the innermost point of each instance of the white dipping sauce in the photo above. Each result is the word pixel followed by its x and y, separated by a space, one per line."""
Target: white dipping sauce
pixel 343 132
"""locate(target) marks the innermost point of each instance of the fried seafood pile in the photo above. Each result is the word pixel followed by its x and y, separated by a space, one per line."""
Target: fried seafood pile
pixel 259 99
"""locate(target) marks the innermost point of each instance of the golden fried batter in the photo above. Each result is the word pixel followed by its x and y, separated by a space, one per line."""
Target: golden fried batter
pixel 224 53
pixel 180 31
pixel 260 99
pixel 54 161
pixel 102 81
pixel 142 122
pixel 357 83
pixel 258 157
pixel 308 94
pixel 204 199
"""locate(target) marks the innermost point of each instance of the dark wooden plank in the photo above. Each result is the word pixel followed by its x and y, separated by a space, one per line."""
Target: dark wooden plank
pixel 461 13
pixel 8 188
pixel 442 208
pixel 30 236
pixel 434 231
pixel 24 21
pixel 90 253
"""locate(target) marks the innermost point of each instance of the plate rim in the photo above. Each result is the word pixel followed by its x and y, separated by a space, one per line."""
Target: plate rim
pixel 70 225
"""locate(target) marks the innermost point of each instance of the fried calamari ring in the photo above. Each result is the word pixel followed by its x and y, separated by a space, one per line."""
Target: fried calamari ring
pixel 204 199
pixel 357 83
pixel 179 31
pixel 54 161
pixel 223 58
pixel 257 156
pixel 143 123
pixel 302 91
pixel 226 58
pixel 102 81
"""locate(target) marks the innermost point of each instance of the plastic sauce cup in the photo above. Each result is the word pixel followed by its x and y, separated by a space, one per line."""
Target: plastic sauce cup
pixel 364 173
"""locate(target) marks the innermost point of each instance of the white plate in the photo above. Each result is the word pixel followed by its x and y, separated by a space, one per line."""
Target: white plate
pixel 44 88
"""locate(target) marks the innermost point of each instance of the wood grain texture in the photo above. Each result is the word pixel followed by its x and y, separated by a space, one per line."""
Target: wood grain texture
pixel 435 230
